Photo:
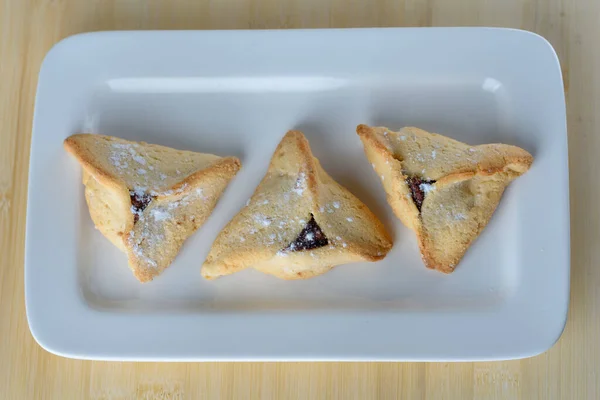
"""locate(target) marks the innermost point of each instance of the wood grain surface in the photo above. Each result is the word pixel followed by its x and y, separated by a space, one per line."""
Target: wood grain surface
pixel 570 370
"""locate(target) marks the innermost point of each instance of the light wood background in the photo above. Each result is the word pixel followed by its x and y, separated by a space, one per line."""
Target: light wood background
pixel 570 370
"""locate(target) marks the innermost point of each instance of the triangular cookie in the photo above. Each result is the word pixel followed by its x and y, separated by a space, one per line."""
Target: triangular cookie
pixel 298 224
pixel 148 199
pixel 444 190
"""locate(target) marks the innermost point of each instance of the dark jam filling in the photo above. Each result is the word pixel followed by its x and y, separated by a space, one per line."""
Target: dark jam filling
pixel 417 193
pixel 138 203
pixel 311 237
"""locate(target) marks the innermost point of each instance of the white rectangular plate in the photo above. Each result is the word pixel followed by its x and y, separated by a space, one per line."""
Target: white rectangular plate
pixel 237 93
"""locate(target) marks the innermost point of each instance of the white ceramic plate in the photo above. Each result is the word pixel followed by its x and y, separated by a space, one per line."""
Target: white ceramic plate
pixel 237 93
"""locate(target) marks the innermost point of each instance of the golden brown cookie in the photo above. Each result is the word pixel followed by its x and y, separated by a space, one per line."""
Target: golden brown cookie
pixel 298 224
pixel 148 199
pixel 444 190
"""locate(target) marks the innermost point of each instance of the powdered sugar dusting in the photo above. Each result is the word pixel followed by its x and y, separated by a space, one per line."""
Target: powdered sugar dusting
pixel 139 159
pixel 300 184
pixel 426 187
pixel 135 211
pixel 262 219
pixel 118 162
pixel 119 155
pixel 122 155
pixel 459 216
pixel 140 191
pixel 150 240
pixel 160 214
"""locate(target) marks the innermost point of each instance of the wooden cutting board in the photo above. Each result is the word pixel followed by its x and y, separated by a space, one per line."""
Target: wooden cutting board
pixel 28 28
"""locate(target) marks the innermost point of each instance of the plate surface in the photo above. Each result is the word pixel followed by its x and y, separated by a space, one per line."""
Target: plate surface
pixel 237 93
